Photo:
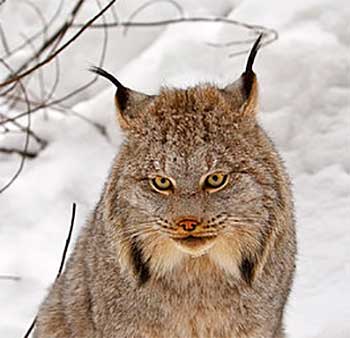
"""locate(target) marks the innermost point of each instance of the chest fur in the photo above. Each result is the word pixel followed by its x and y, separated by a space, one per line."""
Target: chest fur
pixel 194 304
pixel 197 324
pixel 200 312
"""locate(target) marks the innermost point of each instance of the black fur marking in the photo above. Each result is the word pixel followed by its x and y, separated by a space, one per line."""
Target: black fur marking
pixel 122 93
pixel 247 270
pixel 140 266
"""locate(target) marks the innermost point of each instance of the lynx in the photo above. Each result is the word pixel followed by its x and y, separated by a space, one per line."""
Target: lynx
pixel 194 235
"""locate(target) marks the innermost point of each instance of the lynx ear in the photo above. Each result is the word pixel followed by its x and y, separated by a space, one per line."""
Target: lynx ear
pixel 126 100
pixel 244 91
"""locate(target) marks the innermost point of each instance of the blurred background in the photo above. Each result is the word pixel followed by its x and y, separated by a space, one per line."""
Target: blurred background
pixel 58 133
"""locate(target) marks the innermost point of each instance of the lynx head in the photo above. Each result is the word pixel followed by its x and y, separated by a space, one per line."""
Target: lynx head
pixel 196 178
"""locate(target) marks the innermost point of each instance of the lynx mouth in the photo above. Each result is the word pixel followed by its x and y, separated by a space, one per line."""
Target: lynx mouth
pixel 194 244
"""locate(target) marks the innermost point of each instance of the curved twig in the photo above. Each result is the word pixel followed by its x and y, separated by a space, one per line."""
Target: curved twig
pixel 148 4
pixel 62 263
pixel 38 33
pixel 59 50
pixel 26 143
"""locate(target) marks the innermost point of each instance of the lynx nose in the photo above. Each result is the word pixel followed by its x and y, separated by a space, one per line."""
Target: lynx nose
pixel 188 224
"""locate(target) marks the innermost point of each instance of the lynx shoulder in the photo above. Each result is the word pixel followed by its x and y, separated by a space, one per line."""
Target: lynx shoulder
pixel 194 233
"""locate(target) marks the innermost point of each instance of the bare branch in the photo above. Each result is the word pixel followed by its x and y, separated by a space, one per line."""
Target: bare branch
pixel 21 152
pixel 11 278
pixel 38 33
pixel 148 4
pixel 215 19
pixel 59 107
pixel 4 41
pixel 69 237
pixel 270 35
pixel 59 50
pixel 56 36
pixel 26 143
pixel 40 15
pixel 63 260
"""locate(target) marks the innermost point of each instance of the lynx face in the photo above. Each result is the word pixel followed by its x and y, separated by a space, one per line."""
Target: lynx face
pixel 194 178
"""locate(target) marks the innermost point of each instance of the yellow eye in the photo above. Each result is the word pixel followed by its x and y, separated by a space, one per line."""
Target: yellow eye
pixel 161 184
pixel 215 181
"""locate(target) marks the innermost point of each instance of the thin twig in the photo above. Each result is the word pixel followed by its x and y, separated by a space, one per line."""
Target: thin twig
pixel 214 19
pixel 38 33
pixel 63 260
pixel 11 278
pixel 4 41
pixel 53 102
pixel 57 101
pixel 269 34
pixel 148 4
pixel 61 108
pixel 40 71
pixel 27 138
pixel 59 50
pixel 64 255
pixel 40 15
pixel 28 154
pixel 48 42
pixel 38 139
pixel 231 43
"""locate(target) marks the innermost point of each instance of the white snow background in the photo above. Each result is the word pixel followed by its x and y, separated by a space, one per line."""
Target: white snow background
pixel 305 106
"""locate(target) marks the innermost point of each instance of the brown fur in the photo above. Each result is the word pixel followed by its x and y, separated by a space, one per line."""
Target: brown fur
pixel 127 278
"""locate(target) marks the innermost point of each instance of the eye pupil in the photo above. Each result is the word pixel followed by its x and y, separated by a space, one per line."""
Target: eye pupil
pixel 214 182
pixel 161 184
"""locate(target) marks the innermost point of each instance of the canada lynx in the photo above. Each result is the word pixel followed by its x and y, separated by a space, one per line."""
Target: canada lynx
pixel 193 236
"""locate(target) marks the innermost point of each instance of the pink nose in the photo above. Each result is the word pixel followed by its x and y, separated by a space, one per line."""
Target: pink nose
pixel 188 224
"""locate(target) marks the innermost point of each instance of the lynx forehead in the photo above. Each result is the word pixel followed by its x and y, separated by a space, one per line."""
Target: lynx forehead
pixel 193 236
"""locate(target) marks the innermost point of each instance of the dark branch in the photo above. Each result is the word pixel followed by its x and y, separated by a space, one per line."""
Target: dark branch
pixel 39 33
pixel 69 237
pixel 27 138
pixel 12 278
pixel 56 36
pixel 59 50
pixel 63 259
pixel 28 154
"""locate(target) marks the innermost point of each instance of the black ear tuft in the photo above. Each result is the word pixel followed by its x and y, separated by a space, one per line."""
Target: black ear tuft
pixel 247 268
pixel 244 91
pixel 122 94
pixel 249 76
pixel 252 54
pixel 109 76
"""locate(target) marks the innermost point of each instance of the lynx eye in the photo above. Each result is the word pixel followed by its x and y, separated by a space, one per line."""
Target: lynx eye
pixel 214 182
pixel 162 184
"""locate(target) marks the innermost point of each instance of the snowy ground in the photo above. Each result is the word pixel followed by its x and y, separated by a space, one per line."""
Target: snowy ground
pixel 305 106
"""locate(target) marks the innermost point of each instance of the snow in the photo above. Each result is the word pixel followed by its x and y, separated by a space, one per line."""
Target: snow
pixel 305 106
